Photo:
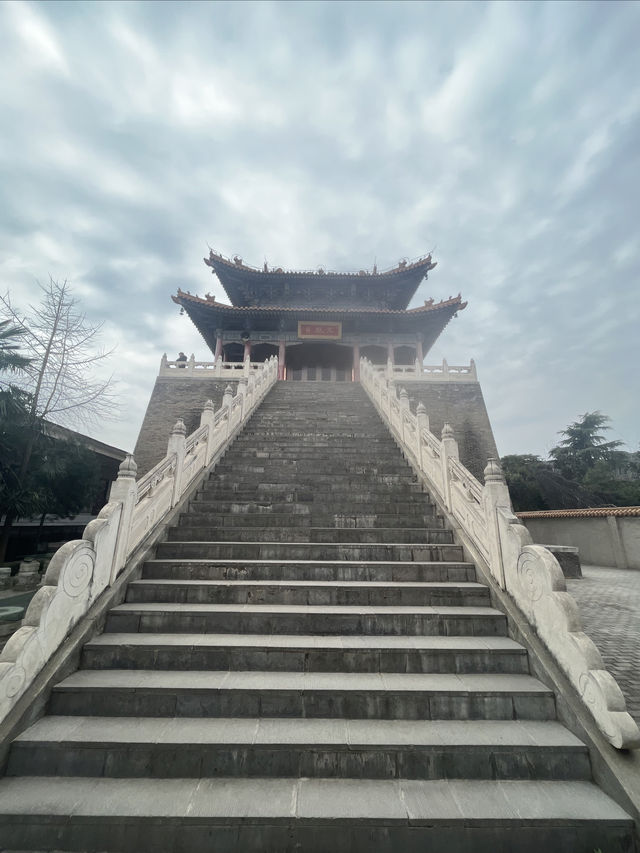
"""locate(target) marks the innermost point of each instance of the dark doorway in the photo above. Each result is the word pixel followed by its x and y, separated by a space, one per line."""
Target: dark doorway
pixel 323 362
pixel 263 352
pixel 375 354
pixel 404 355
pixel 233 352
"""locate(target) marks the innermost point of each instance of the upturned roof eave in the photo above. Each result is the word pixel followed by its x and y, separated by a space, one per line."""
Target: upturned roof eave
pixel 183 297
pixel 404 278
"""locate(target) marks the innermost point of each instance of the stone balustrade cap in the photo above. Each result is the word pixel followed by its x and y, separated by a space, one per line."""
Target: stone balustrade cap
pixel 493 472
pixel 128 467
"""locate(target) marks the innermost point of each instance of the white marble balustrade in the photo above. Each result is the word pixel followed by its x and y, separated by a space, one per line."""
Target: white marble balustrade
pixel 207 369
pixel 80 571
pixel 528 573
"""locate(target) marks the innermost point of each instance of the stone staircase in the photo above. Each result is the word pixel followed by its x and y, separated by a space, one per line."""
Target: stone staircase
pixel 307 664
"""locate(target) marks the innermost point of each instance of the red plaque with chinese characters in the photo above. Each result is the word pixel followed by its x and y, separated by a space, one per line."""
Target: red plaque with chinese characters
pixel 319 331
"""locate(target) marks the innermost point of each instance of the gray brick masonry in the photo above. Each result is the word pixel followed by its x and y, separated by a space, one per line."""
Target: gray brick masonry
pixel 173 398
pixel 460 404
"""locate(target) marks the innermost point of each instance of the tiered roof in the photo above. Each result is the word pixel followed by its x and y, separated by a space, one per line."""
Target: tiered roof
pixel 365 302
pixel 249 286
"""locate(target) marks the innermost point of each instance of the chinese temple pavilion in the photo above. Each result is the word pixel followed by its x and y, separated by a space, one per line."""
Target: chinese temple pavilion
pixel 319 323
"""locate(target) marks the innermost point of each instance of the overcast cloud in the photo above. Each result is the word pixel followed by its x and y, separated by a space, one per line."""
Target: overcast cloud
pixel 503 136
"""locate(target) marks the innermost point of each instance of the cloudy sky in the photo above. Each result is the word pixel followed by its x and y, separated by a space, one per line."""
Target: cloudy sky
pixel 503 136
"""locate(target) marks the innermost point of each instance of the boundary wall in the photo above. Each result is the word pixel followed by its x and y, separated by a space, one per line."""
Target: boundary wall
pixel 604 536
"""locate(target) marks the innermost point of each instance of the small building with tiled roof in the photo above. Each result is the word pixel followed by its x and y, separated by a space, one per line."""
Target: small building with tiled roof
pixel 319 323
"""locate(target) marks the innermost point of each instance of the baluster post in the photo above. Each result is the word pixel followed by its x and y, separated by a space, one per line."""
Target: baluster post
pixel 125 490
pixel 422 419
pixel 449 451
pixel 176 447
pixel 242 390
pixel 227 400
pixel 495 496
pixel 404 408
pixel 208 417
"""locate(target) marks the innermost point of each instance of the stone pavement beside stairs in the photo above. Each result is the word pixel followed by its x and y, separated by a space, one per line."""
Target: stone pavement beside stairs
pixel 609 601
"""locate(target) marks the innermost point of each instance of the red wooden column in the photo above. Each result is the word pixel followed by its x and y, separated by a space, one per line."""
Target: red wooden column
pixel 419 353
pixel 281 358
pixel 356 362
pixel 390 352
pixel 218 351
pixel 247 350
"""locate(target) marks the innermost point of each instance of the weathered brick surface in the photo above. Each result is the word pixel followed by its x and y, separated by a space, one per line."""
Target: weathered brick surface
pixel 173 398
pixel 460 404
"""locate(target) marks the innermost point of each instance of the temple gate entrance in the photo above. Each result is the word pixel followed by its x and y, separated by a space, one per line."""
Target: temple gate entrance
pixel 319 362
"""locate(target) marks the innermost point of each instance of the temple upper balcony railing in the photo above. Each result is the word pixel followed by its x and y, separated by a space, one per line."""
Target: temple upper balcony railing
pixel 206 369
pixel 418 372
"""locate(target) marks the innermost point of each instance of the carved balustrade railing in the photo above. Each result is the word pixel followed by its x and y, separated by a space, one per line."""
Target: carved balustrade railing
pixel 81 570
pixel 528 573
pixel 207 369
pixel 417 371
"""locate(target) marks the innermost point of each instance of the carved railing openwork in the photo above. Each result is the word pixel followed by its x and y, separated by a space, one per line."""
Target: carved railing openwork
pixel 207 369
pixel 419 372
pixel 529 573
pixel 81 570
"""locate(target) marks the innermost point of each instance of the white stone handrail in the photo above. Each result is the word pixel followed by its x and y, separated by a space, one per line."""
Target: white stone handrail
pixel 207 369
pixel 81 570
pixel 529 573
pixel 429 372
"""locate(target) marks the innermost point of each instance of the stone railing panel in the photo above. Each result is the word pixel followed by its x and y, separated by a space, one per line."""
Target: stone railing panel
pixel 81 570
pixel 538 585
pixel 529 573
pixel 207 369
pixel 78 572
pixel 418 372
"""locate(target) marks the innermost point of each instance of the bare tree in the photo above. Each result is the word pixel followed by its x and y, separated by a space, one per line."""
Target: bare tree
pixel 62 350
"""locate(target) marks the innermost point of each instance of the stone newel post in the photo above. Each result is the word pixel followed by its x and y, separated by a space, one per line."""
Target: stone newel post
pixel 176 446
pixel 242 391
pixel 208 417
pixel 404 407
pixel 423 424
pixel 227 397
pixel 125 490
pixel 449 451
pixel 495 497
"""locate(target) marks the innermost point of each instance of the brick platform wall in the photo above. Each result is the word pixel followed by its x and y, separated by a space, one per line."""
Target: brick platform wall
pixel 460 404
pixel 173 398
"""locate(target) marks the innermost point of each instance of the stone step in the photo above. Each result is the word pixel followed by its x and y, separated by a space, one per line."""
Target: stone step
pixel 239 504
pixel 130 747
pixel 325 482
pixel 353 491
pixel 312 815
pixel 198 529
pixel 168 693
pixel 364 468
pixel 321 570
pixel 336 440
pixel 284 453
pixel 305 653
pixel 358 551
pixel 307 592
pixel 284 520
pixel 444 620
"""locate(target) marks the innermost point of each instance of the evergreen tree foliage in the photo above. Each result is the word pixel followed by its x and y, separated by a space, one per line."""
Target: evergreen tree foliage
pixel 583 470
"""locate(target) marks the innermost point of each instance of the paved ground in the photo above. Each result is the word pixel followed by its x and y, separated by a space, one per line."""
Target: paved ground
pixel 609 601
